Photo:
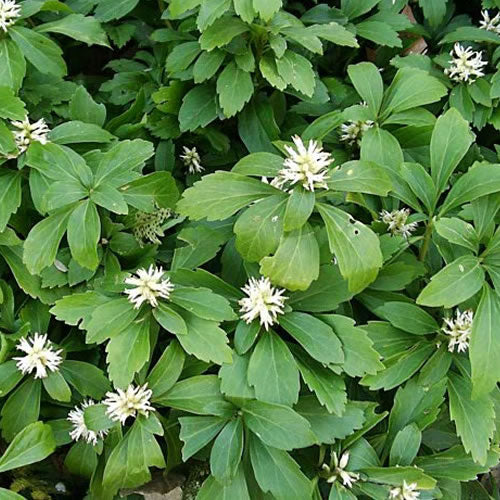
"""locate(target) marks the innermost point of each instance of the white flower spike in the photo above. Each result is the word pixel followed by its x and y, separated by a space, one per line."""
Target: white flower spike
pixel 490 23
pixel 192 160
pixel 10 11
pixel 396 220
pixel 466 64
pixel 459 330
pixel 149 285
pixel 306 166
pixel 80 429
pixel 264 302
pixel 30 132
pixel 348 478
pixel 406 492
pixel 352 131
pixel 40 356
pixel 129 403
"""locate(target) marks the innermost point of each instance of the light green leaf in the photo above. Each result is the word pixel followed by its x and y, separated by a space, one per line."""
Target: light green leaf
pixel 454 284
pixel 34 443
pixel 299 208
pixel 107 10
pixel 267 8
pixel 84 231
pixel 450 141
pixel 434 11
pixel 11 107
pixel 12 65
pixel 197 432
pixel 355 246
pixel 297 71
pixel 221 32
pixel 397 313
pixel 39 50
pixel 405 447
pixel 76 132
pixel 295 265
pixel 368 83
pixel 57 387
pixel 10 195
pixel 235 88
pixel 237 488
pixel 227 450
pixel 272 371
pixel 277 426
pixel 79 27
pixel 199 108
pixel 83 108
pixel 474 419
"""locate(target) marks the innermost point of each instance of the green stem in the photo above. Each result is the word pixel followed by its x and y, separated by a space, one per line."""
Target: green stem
pixel 427 239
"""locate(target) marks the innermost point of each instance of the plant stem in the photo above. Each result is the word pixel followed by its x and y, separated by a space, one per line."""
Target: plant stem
pixel 427 239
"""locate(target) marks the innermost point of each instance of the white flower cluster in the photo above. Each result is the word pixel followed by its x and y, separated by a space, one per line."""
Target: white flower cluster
pixel 459 330
pixel 29 132
pixel 147 226
pixel 352 131
pixel 466 64
pixel 406 492
pixel 10 11
pixel 192 160
pixel 264 302
pixel 490 23
pixel 396 220
pixel 348 478
pixel 129 403
pixel 149 285
pixel 40 356
pixel 306 166
pixel 80 429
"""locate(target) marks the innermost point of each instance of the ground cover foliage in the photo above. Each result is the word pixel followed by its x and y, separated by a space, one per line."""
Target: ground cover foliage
pixel 249 248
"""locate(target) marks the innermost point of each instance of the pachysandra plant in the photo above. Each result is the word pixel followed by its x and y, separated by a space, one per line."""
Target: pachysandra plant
pixel 250 249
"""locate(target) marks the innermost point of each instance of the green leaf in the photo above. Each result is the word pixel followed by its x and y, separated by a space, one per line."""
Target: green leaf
pixel 21 408
pixel 397 313
pixel 96 418
pixel 450 141
pixel 107 10
pixel 355 246
pixel 207 65
pixel 237 488
pixel 474 419
pixel 12 65
pixel 116 164
pixel 109 198
pixel 458 232
pixel 352 8
pixel 396 475
pixel 299 208
pixel 378 32
pixel 78 27
pixel 7 143
pixel 454 284
pixel 235 88
pixel 178 7
pixel 434 11
pixel 322 126
pixel 277 472
pixel 480 180
pixel 39 50
pixel 181 56
pixel 411 88
pixel 233 377
pixel 295 265
pixel 335 33
pixel 167 370
pixel 128 352
pixel 267 8
pixel 405 446
pixel 204 303
pixel 483 349
pixel 315 336
pixel 210 11
pixel 10 195
pixel 83 108
pixel 197 432
pixel 84 231
pixel 360 176
pixel 76 132
pixel 57 387
pixel 205 340
pixel 40 247
pixel 227 450
pixel 11 107
pixel 200 395
pixel 297 71
pixel 360 358
pixel 221 32
pixel 169 319
pixel 87 379
pixel 277 426
pixel 399 368
pixel 34 443
pixel 259 228
pixel 199 108
pixel 368 83
pixel 271 364
pixel 10 376
pixel 218 196
pixel 469 33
